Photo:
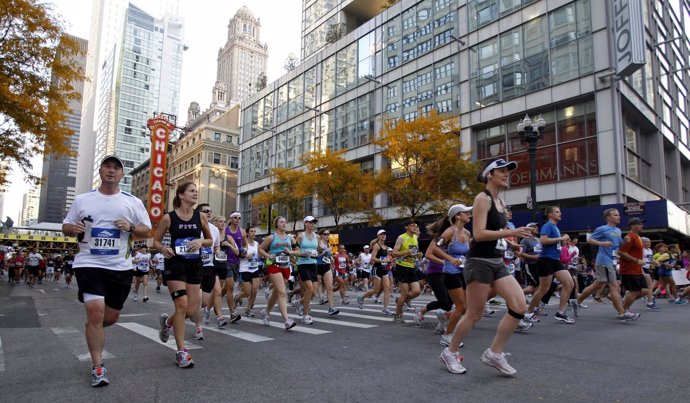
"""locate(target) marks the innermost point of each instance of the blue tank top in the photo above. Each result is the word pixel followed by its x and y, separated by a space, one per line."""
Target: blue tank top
pixel 308 246
pixel 277 249
pixel 456 249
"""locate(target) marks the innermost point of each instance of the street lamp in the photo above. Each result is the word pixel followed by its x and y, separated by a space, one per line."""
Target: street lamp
pixel 531 133
pixel 270 207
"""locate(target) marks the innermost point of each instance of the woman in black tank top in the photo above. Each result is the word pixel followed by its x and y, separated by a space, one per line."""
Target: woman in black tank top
pixel 381 267
pixel 183 267
pixel 485 273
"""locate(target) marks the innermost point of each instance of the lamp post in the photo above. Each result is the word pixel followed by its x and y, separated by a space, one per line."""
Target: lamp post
pixel 270 207
pixel 531 133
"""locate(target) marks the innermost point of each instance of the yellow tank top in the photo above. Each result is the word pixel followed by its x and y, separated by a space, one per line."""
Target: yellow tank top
pixel 409 242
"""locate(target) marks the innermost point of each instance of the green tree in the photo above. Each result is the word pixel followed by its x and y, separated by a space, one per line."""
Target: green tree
pixel 427 169
pixel 340 186
pixel 284 192
pixel 37 76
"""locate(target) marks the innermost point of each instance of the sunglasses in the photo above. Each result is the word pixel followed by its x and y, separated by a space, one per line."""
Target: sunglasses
pixel 237 217
pixel 326 233
pixel 207 211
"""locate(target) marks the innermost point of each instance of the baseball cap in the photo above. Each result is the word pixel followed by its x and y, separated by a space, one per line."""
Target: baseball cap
pixel 635 221
pixel 113 157
pixel 310 218
pixel 366 246
pixel 235 214
pixel 496 164
pixel 458 208
pixel 381 231
pixel 532 224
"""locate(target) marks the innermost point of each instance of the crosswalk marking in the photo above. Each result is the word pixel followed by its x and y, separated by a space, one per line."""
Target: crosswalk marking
pixel 300 329
pixel 76 343
pixel 254 338
pixel 2 357
pixel 132 315
pixel 355 315
pixel 152 334
pixel 331 321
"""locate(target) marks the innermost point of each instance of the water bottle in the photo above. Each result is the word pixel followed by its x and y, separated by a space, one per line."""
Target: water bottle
pixel 85 237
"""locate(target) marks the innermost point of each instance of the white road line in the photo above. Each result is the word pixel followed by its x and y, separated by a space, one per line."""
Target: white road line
pixel 331 321
pixel 281 325
pixel 2 357
pixel 392 308
pixel 354 315
pixel 41 291
pixel 131 315
pixel 254 338
pixel 75 342
pixel 152 334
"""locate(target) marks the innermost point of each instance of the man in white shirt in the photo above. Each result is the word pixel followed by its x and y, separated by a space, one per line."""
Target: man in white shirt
pixel 141 272
pixel 104 221
pixel 33 265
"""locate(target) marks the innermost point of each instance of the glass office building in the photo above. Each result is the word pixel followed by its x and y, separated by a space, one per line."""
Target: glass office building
pixel 608 139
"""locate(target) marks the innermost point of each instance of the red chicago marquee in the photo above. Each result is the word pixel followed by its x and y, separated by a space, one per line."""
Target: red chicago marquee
pixel 160 128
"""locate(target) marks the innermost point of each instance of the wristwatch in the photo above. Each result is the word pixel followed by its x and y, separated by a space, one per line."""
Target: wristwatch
pixel 132 227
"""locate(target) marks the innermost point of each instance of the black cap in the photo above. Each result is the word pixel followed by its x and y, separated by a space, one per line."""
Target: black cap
pixel 635 221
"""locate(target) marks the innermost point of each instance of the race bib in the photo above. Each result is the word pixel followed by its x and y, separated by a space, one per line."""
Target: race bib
pixel 282 260
pixel 508 254
pixel 105 241
pixel 501 244
pixel 181 249
pixel 206 255
pixel 537 248
pixel 384 263
pixel 326 260
pixel 312 253
pixel 254 263
pixel 342 266
pixel 222 257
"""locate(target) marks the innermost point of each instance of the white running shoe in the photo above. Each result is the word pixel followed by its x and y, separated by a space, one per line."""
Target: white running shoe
pixel 498 361
pixel 265 318
pixel 452 361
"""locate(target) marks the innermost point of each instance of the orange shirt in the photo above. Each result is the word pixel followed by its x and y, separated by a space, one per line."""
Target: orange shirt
pixel 632 245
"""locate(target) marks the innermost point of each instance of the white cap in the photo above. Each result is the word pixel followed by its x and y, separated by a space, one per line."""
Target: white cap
pixel 532 224
pixel 310 218
pixel 113 157
pixel 235 214
pixel 458 208
pixel 497 164
pixel 366 246
pixel 381 231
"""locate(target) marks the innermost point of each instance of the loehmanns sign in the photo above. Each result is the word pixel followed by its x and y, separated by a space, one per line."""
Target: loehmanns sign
pixel 628 36
pixel 160 133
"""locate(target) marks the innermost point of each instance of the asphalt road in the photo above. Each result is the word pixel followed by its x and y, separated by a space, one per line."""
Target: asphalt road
pixel 359 356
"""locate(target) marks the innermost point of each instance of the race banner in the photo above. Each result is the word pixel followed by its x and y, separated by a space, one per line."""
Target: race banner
pixel 160 127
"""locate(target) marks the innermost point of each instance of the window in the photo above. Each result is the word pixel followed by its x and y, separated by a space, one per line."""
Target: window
pixel 234 162
pixel 216 136
pixel 228 139
pixel 216 158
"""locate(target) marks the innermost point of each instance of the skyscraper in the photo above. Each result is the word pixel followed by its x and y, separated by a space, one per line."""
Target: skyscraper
pixel 29 213
pixel 58 190
pixel 136 64
pixel 244 57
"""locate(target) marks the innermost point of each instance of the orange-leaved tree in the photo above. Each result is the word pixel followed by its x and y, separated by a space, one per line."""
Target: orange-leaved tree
pixel 285 193
pixel 427 170
pixel 37 83
pixel 340 186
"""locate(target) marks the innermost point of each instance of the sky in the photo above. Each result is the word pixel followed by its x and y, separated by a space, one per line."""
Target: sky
pixel 206 24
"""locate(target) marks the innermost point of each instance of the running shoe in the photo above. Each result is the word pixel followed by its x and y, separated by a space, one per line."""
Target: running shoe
pixel 136 298
pixel 453 361
pixel 221 322
pixel 205 314
pixel 146 299
pixel 199 333
pixel 563 318
pixel 523 325
pixel 99 377
pixel 408 306
pixel 531 317
pixel 267 293
pixel 681 301
pixel 583 306
pixel 652 307
pixel 488 311
pixel 300 310
pixel 388 312
pixel 265 318
pixel 237 300
pixel 598 300
pixel 418 316
pixel 333 311
pixel 360 302
pixel 445 339
pixel 289 324
pixel 307 320
pixel 494 301
pixel 574 306
pixel 323 301
pixel 632 315
pixel 376 300
pixel 184 359
pixel 164 332
pixel 398 318
pixel 248 313
pixel 346 301
pixel 234 318
pixel 498 361
pixel 158 289
pixel 439 329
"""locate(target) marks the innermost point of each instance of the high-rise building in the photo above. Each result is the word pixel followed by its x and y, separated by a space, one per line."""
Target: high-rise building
pixel 59 175
pixel 29 213
pixel 611 138
pixel 243 58
pixel 135 62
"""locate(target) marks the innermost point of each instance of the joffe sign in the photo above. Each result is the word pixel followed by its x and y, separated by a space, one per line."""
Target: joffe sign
pixel 628 36
pixel 160 133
